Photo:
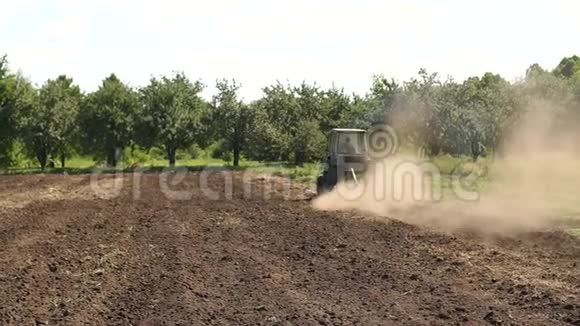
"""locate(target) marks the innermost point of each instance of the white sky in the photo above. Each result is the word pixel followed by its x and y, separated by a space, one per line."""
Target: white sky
pixel 258 42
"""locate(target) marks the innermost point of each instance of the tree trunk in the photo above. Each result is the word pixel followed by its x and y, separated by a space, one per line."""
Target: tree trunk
pixel 42 158
pixel 62 160
pixel 112 158
pixel 299 158
pixel 236 154
pixel 171 155
pixel 475 150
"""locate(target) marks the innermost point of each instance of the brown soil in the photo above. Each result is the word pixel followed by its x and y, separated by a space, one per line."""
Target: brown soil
pixel 70 257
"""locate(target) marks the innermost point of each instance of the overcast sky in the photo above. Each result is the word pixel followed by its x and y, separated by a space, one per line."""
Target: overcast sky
pixel 258 42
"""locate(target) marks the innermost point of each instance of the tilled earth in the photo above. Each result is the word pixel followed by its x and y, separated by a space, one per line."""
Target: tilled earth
pixel 152 256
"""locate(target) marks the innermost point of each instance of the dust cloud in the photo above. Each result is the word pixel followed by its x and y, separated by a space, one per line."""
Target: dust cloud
pixel 532 184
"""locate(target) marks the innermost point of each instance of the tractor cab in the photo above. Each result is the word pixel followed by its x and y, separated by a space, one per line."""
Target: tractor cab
pixel 348 142
pixel 347 158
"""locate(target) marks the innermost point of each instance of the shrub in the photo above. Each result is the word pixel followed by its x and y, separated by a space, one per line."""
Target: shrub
pixel 227 156
pixel 182 154
pixel 157 153
pixel 217 149
pixel 195 152
pixel 134 157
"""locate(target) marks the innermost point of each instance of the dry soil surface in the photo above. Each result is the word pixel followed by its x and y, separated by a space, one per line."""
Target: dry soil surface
pixel 71 256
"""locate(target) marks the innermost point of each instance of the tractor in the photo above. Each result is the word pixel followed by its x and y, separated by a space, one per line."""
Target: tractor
pixel 347 158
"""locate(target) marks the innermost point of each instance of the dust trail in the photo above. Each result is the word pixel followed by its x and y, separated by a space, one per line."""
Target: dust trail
pixel 534 182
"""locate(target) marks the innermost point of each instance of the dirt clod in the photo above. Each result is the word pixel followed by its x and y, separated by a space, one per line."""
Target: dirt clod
pixel 492 318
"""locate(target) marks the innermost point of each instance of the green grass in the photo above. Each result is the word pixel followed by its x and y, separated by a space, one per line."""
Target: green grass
pixel 186 162
pixel 306 173
pixel 80 162
pixel 574 232
pixel 82 165
pixel 571 223
pixel 469 175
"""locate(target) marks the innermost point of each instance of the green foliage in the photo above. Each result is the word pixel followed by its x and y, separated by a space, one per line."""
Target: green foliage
pixel 172 114
pixel 489 105
pixel 267 142
pixel 290 122
pixel 107 120
pixel 309 143
pixel 157 153
pixel 195 151
pixel 231 118
pixel 217 149
pixel 168 120
pixel 8 85
pixel 48 119
pixel 380 104
pixel 335 109
pixel 17 155
pixel 277 120
pixel 182 154
pixel 568 67
pixel 448 117
pixel 227 156
pixel 540 85
pixel 135 156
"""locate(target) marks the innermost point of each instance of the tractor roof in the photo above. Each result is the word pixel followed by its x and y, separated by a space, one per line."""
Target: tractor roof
pixel 347 130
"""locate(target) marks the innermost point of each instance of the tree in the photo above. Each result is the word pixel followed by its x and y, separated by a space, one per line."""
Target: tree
pixel 568 67
pixel 286 112
pixel 48 119
pixel 412 110
pixel 107 120
pixel 488 105
pixel 265 142
pixel 336 110
pixel 276 110
pixel 8 83
pixel 540 85
pixel 381 101
pixel 231 117
pixel 377 106
pixel 306 137
pixel 309 142
pixel 171 115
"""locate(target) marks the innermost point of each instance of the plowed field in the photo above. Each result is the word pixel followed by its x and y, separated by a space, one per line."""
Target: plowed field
pixel 68 256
